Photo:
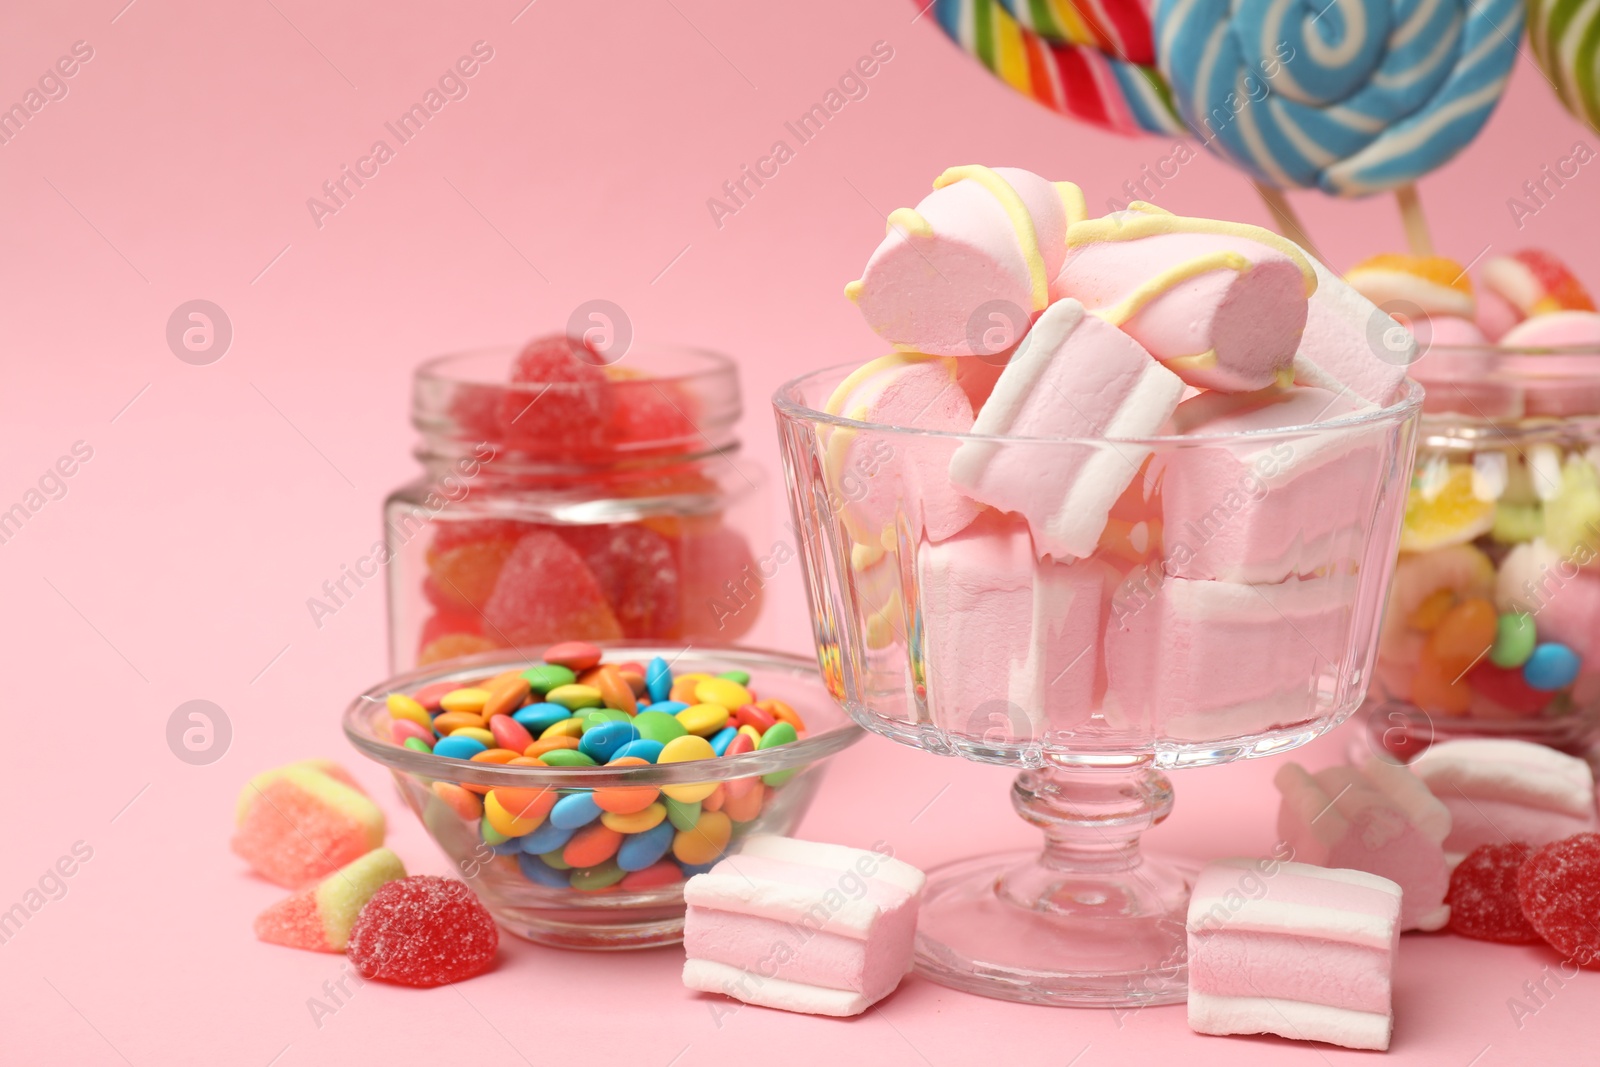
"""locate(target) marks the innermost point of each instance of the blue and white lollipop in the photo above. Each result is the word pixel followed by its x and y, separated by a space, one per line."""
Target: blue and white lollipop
pixel 1348 96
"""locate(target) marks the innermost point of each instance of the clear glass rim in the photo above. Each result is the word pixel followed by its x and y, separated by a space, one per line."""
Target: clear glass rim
pixel 712 365
pixel 797 754
pixel 1407 405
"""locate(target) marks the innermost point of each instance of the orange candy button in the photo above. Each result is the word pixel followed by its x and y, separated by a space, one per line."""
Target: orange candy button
pixel 1464 634
pixel 464 803
pixel 705 842
pixel 626 799
pixel 592 846
pixel 547 744
pixel 613 689
pixel 747 805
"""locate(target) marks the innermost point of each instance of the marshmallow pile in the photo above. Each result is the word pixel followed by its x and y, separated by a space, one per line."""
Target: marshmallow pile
pixel 1099 575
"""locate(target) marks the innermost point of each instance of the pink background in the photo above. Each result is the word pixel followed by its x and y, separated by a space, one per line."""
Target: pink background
pixel 219 497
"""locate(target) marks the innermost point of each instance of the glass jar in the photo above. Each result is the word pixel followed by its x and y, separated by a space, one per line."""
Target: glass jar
pixel 1493 620
pixel 573 510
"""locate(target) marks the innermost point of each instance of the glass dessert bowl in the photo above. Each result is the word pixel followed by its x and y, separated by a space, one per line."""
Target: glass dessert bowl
pixel 1493 622
pixel 534 894
pixel 1225 609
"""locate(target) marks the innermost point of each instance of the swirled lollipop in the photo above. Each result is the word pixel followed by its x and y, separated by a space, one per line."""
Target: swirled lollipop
pixel 1091 60
pixel 1348 96
pixel 1565 35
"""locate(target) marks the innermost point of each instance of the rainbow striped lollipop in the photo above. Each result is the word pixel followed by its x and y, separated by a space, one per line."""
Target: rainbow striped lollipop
pixel 1091 60
pixel 1565 35
pixel 1348 96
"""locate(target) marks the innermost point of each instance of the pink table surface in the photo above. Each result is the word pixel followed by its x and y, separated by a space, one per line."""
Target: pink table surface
pixel 175 564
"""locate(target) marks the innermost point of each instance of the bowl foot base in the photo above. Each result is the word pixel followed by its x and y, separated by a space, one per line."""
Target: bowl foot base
pixel 1008 927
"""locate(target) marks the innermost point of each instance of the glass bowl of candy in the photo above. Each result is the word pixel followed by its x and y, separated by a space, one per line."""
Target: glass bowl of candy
pixel 1493 622
pixel 569 492
pixel 1089 610
pixel 575 789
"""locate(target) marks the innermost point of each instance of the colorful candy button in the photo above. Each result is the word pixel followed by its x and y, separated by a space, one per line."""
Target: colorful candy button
pixel 658 679
pixel 417 744
pixel 658 726
pixel 568 757
pixel 573 655
pixel 682 814
pixel 636 822
pixel 1514 639
pixel 604 876
pixel 1552 666
pixel 644 749
pixel 723 692
pixel 706 841
pixel 537 871
pixel 601 742
pixel 592 845
pixel 537 718
pixel 571 812
pixel 703 719
pixel 641 850
pixel 402 707
pixel 543 677
pixel 574 696
pixel 458 747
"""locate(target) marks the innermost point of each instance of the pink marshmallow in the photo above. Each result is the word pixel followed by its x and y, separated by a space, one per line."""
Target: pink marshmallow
pixel 1012 644
pixel 1496 314
pixel 1203 660
pixel 984 243
pixel 1507 790
pixel 1295 950
pixel 1267 511
pixel 1218 309
pixel 1558 329
pixel 881 478
pixel 1379 818
pixel 802 926
pixel 1074 376
pixel 1448 331
pixel 1350 344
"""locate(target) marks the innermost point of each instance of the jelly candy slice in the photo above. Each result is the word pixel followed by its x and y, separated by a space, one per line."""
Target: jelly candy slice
pixel 453 646
pixel 651 416
pixel 1559 887
pixel 721 584
pixel 303 824
pixel 319 917
pixel 423 931
pixel 638 573
pixel 1448 513
pixel 561 403
pixel 546 593
pixel 462 578
pixel 475 407
pixel 1483 895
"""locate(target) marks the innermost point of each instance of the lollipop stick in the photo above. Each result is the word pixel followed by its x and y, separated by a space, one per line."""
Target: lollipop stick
pixel 1288 223
pixel 1416 223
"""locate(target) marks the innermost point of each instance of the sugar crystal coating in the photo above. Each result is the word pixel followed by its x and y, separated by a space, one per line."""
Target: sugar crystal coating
pixel 423 931
pixel 1559 887
pixel 1483 895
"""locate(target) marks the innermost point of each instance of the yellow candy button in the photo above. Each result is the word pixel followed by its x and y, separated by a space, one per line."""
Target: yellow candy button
pixel 706 841
pixel 564 728
pixel 685 749
pixel 723 691
pixel 469 699
pixel 636 822
pixel 573 697
pixel 703 719
pixel 403 707
pixel 477 733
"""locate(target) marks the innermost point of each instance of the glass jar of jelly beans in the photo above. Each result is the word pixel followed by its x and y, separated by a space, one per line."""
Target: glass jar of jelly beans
pixel 1492 626
pixel 568 496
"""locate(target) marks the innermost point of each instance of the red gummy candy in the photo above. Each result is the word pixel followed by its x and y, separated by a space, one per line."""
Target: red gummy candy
pixel 462 578
pixel 638 573
pixel 454 534
pixel 564 404
pixel 1507 688
pixel 1483 895
pixel 1559 887
pixel 722 583
pixel 423 931
pixel 476 410
pixel 651 413
pixel 547 593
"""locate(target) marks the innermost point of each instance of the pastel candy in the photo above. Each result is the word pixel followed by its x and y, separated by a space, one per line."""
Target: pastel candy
pixel 1379 818
pixel 1098 69
pixel 1507 790
pixel 1290 949
pixel 1221 305
pixel 319 917
pixel 1558 329
pixel 1074 376
pixel 1275 508
pixel 1350 345
pixel 1393 93
pixel 881 481
pixel 250 794
pixel 1208 660
pixel 1011 643
pixel 844 947
pixel 1566 42
pixel 303 824
pixel 983 239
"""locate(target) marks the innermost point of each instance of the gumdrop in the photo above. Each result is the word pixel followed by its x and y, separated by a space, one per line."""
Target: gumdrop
pixel 423 931
pixel 1559 887
pixel 1483 895
pixel 638 573
pixel 721 583
pixel 248 795
pixel 651 415
pixel 561 401
pixel 302 824
pixel 319 917
pixel 443 623
pixel 546 593
pixel 475 407
pixel 453 646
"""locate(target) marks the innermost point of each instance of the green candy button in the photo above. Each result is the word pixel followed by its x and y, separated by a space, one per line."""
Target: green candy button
pixel 547 676
pixel 1514 638
pixel 567 757
pixel 658 726
pixel 681 815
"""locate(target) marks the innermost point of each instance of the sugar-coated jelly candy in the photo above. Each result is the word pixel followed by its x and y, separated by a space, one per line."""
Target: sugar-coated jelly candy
pixel 560 401
pixel 319 917
pixel 423 931
pixel 546 592
pixel 1559 887
pixel 1483 895
pixel 638 572
pixel 464 576
pixel 722 583
pixel 453 646
pixel 302 824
